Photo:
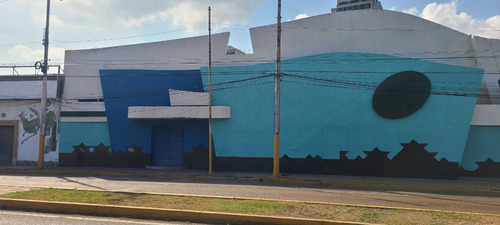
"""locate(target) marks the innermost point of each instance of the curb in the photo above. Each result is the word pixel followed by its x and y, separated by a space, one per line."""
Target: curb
pixel 378 186
pixel 290 181
pixel 158 214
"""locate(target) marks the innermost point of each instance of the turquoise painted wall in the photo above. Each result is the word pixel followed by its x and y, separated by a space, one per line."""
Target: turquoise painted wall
pixel 328 109
pixel 483 142
pixel 91 134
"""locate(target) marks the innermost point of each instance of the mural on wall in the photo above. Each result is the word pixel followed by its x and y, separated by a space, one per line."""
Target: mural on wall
pixel 413 160
pixel 350 102
pixel 102 155
pixel 31 125
pixel 387 101
pixel 401 94
pixel 197 158
pixel 488 168
pixel 482 155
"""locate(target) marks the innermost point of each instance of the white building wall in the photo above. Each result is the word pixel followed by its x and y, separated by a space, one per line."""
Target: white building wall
pixel 30 89
pixel 486 115
pixel 487 52
pixel 82 66
pixel 75 106
pixel 369 31
pixel 380 32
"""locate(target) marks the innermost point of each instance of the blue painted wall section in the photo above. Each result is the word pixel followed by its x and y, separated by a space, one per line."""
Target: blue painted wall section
pixel 84 144
pixel 90 134
pixel 326 108
pixel 125 88
pixel 482 152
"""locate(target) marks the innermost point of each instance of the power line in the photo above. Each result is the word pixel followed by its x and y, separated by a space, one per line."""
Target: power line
pixel 253 73
pixel 440 88
pixel 393 56
pixel 285 29
pixel 26 43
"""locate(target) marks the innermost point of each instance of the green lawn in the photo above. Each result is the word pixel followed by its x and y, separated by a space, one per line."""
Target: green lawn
pixel 259 207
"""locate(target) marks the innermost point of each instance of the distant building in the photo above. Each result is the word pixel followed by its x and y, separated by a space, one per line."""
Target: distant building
pixel 348 5
pixel 233 51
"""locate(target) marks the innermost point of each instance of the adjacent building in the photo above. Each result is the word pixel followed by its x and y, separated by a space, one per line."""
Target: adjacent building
pixel 20 119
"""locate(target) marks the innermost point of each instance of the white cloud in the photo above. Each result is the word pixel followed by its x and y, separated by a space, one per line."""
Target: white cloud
pixel 53 20
pixel 448 15
pixel 77 24
pixel 25 53
pixel 193 14
pixel 489 28
pixel 186 14
pixel 301 16
pixel 412 11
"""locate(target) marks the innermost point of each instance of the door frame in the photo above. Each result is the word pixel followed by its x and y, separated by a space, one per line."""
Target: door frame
pixel 14 123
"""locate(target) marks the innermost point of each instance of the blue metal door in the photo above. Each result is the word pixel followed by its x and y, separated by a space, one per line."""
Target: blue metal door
pixel 168 146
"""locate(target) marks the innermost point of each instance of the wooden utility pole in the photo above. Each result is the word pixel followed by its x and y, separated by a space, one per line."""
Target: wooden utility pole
pixel 276 158
pixel 209 93
pixel 43 110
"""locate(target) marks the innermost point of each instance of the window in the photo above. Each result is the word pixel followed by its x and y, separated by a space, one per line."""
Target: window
pixel 366 6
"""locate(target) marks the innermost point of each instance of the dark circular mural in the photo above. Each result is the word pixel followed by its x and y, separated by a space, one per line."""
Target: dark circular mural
pixel 401 94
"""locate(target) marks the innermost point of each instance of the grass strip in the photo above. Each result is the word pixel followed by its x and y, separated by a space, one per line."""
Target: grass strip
pixel 258 207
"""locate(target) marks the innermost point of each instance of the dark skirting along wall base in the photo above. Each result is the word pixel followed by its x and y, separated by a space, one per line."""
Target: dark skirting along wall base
pixel 103 156
pixel 413 161
pixel 488 168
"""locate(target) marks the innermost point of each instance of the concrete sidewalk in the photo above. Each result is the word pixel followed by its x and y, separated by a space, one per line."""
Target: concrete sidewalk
pixel 470 186
pixel 461 185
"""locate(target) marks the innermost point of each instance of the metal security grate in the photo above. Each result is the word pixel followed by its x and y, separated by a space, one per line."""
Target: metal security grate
pixel 168 146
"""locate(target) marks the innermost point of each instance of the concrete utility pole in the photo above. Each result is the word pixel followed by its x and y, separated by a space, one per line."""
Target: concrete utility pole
pixel 209 92
pixel 43 110
pixel 276 158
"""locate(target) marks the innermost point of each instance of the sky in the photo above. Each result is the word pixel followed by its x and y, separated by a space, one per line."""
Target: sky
pixel 84 24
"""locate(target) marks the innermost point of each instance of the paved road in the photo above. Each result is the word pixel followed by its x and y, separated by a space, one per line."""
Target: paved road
pixel 27 218
pixel 240 188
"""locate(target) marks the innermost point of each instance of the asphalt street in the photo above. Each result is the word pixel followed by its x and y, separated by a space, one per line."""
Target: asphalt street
pixel 29 218
pixel 480 203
